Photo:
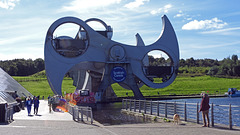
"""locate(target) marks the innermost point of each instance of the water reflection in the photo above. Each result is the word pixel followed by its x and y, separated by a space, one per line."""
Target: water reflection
pixel 110 114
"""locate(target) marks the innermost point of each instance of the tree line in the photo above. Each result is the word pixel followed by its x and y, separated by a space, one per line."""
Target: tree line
pixel 22 67
pixel 229 66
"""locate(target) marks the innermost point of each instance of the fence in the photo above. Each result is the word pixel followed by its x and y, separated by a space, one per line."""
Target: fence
pixel 80 113
pixel 219 114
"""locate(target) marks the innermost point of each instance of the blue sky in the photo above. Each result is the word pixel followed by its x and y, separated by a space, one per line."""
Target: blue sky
pixel 205 29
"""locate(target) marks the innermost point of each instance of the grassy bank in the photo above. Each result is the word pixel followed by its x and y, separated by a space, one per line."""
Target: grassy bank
pixel 39 86
pixel 183 85
pixel 187 85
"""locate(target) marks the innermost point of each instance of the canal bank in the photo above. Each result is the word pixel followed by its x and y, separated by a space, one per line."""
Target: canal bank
pixel 165 97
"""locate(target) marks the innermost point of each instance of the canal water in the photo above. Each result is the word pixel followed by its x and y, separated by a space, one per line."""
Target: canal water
pixel 110 114
pixel 216 101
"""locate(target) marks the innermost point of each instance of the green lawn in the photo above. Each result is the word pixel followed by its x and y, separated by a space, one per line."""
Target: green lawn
pixel 39 86
pixel 183 85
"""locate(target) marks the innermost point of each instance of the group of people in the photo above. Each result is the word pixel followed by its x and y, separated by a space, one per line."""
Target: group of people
pixel 32 101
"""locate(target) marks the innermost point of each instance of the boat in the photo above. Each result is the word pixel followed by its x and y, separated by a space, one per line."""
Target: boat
pixel 82 98
pixel 233 92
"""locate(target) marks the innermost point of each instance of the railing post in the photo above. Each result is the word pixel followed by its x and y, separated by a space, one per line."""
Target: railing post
pixel 123 103
pixel 230 117
pixel 212 113
pixel 165 109
pixel 126 104
pixel 91 116
pixel 81 114
pixel 185 111
pixel 197 114
pixel 175 108
pixel 73 113
pixel 158 108
pixel 139 106
pixel 151 108
pixel 145 109
pixel 130 105
pixel 87 112
pixel 134 105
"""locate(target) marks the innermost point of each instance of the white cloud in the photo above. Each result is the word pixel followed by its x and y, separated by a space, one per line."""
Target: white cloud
pixel 8 4
pixel 222 31
pixel 180 14
pixel 165 9
pixel 217 45
pixel 135 4
pixel 82 5
pixel 214 23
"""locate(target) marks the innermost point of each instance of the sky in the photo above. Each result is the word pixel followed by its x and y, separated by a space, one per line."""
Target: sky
pixel 204 29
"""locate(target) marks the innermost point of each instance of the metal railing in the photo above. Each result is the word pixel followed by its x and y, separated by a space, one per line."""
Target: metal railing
pixel 9 113
pixel 81 113
pixel 220 115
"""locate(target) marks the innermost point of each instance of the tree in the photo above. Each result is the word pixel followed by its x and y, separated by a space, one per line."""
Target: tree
pixel 236 70
pixel 235 59
pixel 39 64
pixel 182 62
pixel 190 62
pixel 213 71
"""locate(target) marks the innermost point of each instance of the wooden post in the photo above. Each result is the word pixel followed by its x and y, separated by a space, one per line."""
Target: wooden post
pixel 230 117
pixel 212 112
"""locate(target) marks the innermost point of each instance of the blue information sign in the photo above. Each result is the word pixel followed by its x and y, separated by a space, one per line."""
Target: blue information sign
pixel 118 74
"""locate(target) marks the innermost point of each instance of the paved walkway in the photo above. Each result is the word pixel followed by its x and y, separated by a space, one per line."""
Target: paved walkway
pixel 43 114
pixel 57 123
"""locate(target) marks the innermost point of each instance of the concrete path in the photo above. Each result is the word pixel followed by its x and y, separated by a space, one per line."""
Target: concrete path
pixel 62 124
pixel 43 114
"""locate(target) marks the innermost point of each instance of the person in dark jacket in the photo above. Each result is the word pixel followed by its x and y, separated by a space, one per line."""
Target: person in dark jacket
pixel 205 109
pixel 36 105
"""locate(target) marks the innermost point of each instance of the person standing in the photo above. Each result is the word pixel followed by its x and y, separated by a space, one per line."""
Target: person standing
pixel 36 105
pixel 204 107
pixel 29 106
pixel 50 100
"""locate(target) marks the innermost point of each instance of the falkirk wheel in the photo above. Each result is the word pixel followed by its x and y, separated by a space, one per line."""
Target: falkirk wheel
pixel 95 62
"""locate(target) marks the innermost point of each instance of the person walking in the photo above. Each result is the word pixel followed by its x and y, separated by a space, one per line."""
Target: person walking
pixel 36 105
pixel 29 106
pixel 204 107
